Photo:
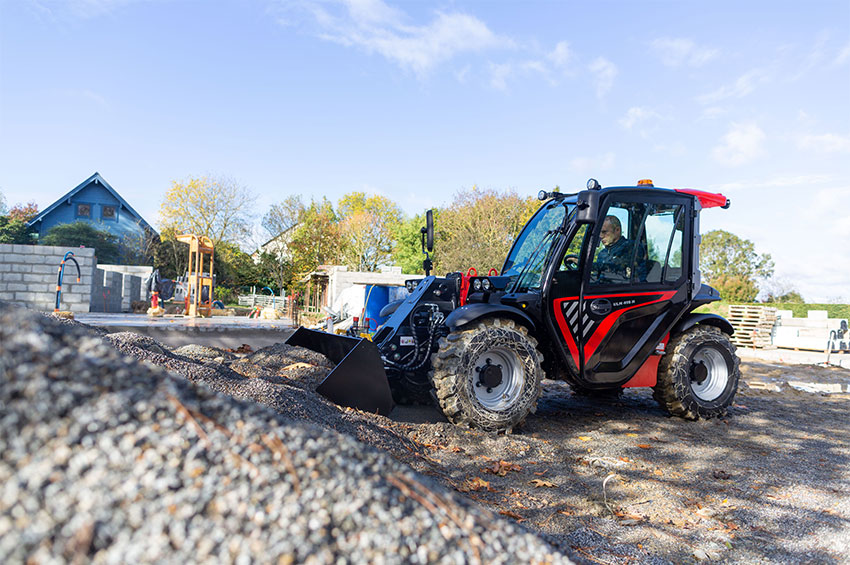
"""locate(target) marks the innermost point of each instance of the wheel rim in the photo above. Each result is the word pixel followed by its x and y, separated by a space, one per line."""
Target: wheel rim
pixel 716 377
pixel 504 394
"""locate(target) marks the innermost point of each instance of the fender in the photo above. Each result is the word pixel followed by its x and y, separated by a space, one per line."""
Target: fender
pixel 471 312
pixel 390 308
pixel 690 320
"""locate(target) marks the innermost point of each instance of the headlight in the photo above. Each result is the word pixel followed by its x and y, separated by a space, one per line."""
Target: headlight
pixel 485 284
pixel 476 285
pixel 411 285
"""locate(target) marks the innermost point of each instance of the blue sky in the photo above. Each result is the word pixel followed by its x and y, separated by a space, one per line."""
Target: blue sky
pixel 416 100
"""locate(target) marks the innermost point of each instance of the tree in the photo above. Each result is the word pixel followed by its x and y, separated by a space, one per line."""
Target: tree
pixel 367 224
pixel 24 212
pixel 283 216
pixel 233 267
pixel 779 290
pixel 15 231
pixel 275 265
pixel 217 207
pixel 83 234
pixel 732 266
pixel 170 256
pixel 408 244
pixel 316 241
pixel 478 228
pixel 2 204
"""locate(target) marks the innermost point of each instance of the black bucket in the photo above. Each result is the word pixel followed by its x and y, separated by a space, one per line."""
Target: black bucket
pixel 359 379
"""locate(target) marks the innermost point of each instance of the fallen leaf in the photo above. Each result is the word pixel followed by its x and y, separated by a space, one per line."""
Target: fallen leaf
pixel 584 438
pixel 475 484
pixel 644 446
pixel 541 483
pixel 513 515
pixel 298 365
pixel 631 435
pixel 659 472
pixel 501 468
pixel 565 512
pixel 541 473
pixel 721 474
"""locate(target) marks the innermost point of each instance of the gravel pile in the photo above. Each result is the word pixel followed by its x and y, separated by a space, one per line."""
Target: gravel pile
pixel 106 459
pixel 298 365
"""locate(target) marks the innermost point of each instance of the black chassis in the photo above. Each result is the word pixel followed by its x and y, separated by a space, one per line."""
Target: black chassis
pixel 432 310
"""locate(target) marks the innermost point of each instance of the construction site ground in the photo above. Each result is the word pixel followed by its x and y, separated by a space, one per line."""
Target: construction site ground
pixel 615 479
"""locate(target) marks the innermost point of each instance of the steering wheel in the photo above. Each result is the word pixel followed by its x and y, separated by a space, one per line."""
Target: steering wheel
pixel 571 262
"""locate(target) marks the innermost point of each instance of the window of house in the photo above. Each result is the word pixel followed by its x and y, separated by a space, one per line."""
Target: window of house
pixel 108 212
pixel 84 210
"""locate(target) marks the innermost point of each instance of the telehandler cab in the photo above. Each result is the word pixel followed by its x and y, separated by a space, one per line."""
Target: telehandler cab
pixel 575 301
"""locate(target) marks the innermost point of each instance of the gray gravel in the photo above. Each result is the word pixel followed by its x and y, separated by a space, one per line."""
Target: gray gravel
pixel 107 459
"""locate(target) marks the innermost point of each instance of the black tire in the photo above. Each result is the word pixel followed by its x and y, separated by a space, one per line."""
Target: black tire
pixel 694 392
pixel 516 375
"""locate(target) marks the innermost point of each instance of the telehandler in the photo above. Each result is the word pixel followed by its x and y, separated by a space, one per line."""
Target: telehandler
pixel 563 307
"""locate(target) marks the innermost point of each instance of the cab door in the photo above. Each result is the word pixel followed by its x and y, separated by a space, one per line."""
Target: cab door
pixel 633 289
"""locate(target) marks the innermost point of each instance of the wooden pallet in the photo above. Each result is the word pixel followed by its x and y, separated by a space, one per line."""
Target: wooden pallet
pixel 753 325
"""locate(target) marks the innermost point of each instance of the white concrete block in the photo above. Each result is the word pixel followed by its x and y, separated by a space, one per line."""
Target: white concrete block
pixel 818 314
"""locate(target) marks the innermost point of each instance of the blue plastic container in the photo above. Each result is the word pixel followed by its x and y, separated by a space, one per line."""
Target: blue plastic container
pixel 376 298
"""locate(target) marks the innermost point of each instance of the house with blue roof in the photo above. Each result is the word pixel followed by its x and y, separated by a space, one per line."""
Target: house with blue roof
pixel 95 201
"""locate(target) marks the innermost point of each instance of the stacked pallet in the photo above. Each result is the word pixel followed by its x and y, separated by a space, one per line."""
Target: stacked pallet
pixel 753 325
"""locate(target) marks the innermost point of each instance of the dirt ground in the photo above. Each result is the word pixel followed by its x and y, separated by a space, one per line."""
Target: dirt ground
pixel 617 480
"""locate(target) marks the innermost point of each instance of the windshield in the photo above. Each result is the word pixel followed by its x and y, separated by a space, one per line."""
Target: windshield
pixel 529 254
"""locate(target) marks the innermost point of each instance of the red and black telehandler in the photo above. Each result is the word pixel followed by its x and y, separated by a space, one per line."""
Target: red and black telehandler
pixel 563 307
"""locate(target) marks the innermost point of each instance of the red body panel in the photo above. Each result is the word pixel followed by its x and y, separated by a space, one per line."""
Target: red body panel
pixel 706 199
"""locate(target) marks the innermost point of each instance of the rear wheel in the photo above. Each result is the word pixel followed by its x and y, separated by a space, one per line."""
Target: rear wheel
pixel 698 377
pixel 488 376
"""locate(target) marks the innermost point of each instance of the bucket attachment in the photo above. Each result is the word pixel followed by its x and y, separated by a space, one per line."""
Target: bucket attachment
pixel 358 380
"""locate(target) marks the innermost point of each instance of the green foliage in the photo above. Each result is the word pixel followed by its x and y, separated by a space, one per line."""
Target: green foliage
pixel 15 231
pixel 170 256
pixel 735 289
pixel 84 234
pixel 408 244
pixel 232 266
pixel 316 241
pixel 479 227
pixel 283 216
pixel 275 271
pixel 732 263
pixel 226 295
pixel 366 225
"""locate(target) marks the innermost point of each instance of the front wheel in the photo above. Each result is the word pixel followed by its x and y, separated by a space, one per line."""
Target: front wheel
pixel 698 377
pixel 488 376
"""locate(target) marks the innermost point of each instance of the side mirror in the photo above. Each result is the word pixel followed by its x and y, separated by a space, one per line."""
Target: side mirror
pixel 428 232
pixel 587 205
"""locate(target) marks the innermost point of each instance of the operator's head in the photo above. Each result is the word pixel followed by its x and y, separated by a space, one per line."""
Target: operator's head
pixel 611 231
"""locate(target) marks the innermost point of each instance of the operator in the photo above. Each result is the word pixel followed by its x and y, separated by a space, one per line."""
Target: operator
pixel 613 264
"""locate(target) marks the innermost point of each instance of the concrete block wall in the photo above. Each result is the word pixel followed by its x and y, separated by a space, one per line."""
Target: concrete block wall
pixel 106 291
pixel 141 271
pixel 28 275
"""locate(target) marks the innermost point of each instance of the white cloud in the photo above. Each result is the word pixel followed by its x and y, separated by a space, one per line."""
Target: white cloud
pixel 499 75
pixel 84 9
pixel 604 72
pixel 827 143
pixel 741 144
pixel 561 56
pixel 743 86
pixel 677 52
pixel 637 115
pixel 801 181
pixel 843 55
pixel 592 164
pixel 375 27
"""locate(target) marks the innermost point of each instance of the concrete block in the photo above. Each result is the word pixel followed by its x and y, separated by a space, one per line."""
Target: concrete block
pixel 33 277
pixel 11 277
pixel 16 287
pixel 71 298
pixel 47 269
pixel 818 314
pixel 21 268
pixel 21 248
pixel 26 296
